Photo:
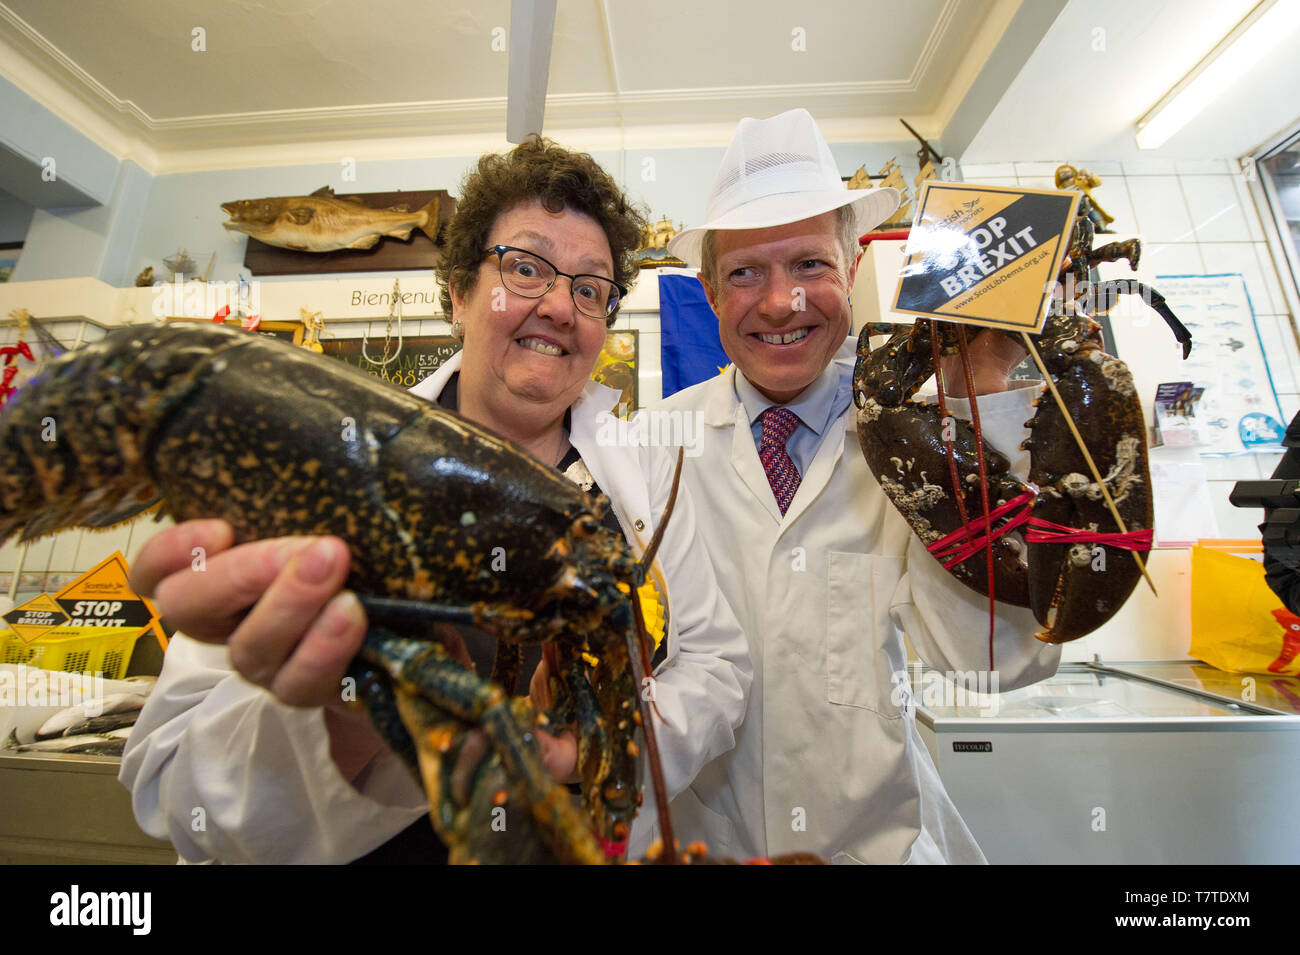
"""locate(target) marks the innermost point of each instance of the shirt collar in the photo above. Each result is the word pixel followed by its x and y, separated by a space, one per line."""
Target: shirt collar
pixel 814 405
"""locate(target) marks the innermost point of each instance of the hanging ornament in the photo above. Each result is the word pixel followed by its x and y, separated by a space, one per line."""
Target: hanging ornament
pixel 394 311
pixel 9 355
pixel 314 326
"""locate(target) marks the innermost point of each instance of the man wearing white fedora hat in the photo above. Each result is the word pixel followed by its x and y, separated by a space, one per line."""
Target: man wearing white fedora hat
pixel 821 570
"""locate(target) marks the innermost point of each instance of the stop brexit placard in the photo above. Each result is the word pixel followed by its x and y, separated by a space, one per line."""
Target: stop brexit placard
pixel 985 255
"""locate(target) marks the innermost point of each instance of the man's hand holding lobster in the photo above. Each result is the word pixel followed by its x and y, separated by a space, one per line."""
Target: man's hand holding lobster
pixel 993 356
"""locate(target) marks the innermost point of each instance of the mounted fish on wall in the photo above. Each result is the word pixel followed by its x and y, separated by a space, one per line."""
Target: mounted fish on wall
pixel 376 232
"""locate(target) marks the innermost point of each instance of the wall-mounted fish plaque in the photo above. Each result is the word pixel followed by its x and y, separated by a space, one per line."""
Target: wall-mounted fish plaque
pixel 323 233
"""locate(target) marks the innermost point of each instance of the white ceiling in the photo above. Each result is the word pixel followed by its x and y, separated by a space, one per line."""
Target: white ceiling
pixel 283 73
pixel 1071 100
pixel 287 81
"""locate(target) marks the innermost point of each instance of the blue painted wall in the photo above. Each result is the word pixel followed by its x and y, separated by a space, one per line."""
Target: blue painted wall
pixel 143 218
pixel 15 218
pixel 184 210
pixel 35 135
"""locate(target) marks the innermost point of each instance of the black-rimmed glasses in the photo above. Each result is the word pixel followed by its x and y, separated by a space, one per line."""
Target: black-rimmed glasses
pixel 528 274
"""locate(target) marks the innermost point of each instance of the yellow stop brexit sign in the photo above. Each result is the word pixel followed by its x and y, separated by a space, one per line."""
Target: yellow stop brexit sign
pixel 985 255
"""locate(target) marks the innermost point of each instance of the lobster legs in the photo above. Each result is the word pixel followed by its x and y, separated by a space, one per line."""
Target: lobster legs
pixel 436 702
pixel 443 709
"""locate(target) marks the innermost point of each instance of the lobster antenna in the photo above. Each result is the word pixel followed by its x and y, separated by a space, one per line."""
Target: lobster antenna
pixel 648 557
pixel 1087 456
pixel 647 726
pixel 646 562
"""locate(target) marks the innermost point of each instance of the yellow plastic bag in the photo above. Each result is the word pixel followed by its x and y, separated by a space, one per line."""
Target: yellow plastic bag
pixel 1238 623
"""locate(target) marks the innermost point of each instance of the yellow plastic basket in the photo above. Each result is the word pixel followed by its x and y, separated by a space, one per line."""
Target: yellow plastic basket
pixel 108 653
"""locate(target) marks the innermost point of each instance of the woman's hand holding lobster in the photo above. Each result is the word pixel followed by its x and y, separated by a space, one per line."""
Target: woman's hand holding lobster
pixel 280 608
pixel 277 604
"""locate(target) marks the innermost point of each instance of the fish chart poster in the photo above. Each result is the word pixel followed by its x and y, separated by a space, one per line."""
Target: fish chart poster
pixel 1239 410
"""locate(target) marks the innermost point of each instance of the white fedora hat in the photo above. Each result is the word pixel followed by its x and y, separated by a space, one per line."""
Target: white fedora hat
pixel 777 171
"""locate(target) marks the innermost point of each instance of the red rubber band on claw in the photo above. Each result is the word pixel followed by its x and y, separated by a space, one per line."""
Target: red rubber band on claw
pixel 613 849
pixel 960 545
pixel 1045 532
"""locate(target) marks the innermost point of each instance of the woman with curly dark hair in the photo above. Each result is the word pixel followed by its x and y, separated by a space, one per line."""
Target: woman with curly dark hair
pixel 538 259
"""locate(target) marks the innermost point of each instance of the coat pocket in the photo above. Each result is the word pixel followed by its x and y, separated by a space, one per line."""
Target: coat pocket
pixel 693 820
pixel 860 639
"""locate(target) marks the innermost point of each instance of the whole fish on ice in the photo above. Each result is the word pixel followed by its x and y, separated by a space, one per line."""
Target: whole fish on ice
pixel 102 725
pixel 85 745
pixel 324 222
pixel 102 706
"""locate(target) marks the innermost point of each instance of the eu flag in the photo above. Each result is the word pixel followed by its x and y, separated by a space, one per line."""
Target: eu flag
pixel 690 350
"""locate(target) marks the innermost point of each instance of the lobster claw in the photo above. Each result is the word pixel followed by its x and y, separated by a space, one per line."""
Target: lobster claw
pixel 1067 559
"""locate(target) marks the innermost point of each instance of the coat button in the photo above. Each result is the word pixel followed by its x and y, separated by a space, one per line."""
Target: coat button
pixel 640 525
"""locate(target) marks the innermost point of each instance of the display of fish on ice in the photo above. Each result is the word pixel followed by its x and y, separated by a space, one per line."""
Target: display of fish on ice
pixel 94 727
pixel 324 222
pixel 100 744
pixel 96 709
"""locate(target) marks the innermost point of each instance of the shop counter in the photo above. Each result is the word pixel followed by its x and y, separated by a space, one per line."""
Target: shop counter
pixel 70 809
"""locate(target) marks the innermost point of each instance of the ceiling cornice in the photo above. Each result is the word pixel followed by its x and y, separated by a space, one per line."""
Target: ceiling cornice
pixel 433 128
pixel 588 139
pixel 67 102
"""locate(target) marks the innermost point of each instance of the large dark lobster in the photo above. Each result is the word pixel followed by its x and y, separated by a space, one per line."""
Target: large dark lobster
pixel 1056 546
pixel 445 521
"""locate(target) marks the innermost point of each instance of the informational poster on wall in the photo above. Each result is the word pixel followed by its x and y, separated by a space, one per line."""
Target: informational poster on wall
pixel 1239 409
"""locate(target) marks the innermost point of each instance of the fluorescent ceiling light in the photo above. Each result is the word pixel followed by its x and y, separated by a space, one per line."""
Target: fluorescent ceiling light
pixel 1252 38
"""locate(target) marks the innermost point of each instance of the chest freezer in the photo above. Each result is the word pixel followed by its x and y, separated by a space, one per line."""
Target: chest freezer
pixel 1122 763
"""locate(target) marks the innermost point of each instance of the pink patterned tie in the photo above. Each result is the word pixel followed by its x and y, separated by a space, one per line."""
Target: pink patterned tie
pixel 778 425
